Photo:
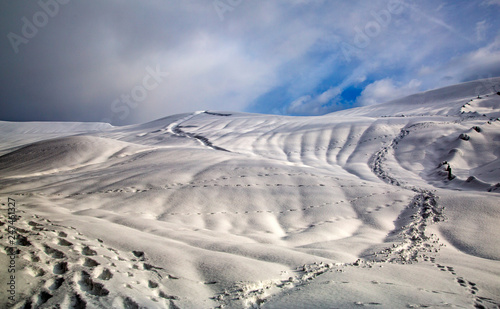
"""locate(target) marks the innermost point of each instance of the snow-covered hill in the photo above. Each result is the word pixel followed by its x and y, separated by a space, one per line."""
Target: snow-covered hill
pixel 386 206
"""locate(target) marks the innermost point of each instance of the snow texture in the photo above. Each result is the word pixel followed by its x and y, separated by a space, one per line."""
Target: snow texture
pixel 386 206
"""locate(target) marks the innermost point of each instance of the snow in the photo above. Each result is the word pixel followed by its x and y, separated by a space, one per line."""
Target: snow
pixel 219 209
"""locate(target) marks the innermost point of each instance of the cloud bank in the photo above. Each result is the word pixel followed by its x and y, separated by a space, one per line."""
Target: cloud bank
pixel 82 61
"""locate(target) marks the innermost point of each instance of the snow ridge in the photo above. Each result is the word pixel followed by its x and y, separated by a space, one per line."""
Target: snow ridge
pixel 348 209
pixel 176 129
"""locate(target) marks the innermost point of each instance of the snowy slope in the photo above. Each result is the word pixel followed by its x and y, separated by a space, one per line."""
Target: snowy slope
pixel 16 134
pixel 446 101
pixel 218 209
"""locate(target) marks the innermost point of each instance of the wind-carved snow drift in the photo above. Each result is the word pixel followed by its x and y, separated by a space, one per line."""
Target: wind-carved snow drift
pixel 390 206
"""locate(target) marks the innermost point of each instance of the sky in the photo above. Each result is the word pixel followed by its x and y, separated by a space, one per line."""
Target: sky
pixel 124 62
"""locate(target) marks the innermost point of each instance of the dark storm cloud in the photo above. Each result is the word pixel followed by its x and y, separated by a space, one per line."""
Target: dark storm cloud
pixel 83 57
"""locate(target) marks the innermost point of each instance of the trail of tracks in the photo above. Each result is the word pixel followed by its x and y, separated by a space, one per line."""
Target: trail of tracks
pixel 411 241
pixel 378 159
pixel 175 128
pixel 413 244
pixel 65 269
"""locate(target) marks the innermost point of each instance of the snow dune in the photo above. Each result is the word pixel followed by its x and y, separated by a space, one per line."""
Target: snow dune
pixel 386 206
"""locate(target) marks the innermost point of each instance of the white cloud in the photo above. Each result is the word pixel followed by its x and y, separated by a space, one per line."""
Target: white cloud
pixel 216 75
pixel 299 105
pixel 440 7
pixel 480 63
pixel 314 105
pixel 385 90
pixel 326 101
pixel 492 2
pixel 425 70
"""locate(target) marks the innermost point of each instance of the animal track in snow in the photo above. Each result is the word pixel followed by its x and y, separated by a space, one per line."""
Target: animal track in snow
pixel 76 278
pixel 306 208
